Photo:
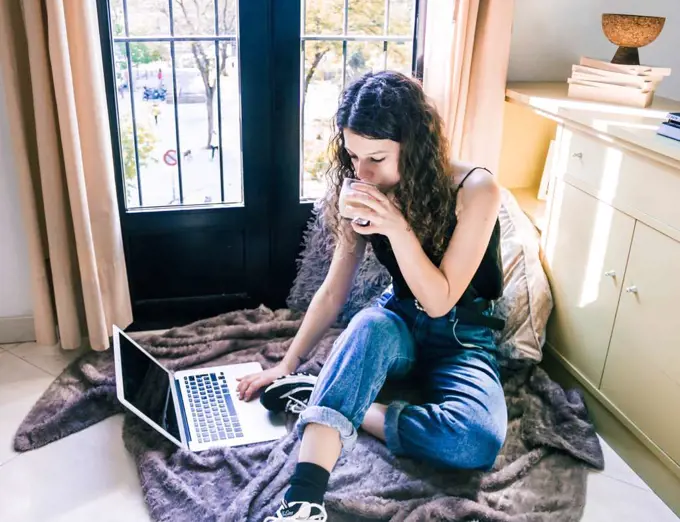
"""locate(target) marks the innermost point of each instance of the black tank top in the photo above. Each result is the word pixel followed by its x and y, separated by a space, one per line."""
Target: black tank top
pixel 487 281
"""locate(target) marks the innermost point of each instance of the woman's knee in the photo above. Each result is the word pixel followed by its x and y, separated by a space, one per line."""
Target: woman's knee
pixel 375 317
pixel 371 326
pixel 489 438
pixel 469 443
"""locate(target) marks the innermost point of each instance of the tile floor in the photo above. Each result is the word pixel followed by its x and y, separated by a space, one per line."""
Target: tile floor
pixel 90 476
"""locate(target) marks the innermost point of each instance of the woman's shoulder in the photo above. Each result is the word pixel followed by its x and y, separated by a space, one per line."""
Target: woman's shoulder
pixel 458 170
pixel 480 190
pixel 480 179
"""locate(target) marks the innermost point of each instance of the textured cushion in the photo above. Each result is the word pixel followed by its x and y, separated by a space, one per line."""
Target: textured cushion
pixel 527 301
pixel 525 305
pixel 314 263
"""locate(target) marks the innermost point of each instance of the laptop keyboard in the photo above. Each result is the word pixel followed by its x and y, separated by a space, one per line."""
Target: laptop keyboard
pixel 212 408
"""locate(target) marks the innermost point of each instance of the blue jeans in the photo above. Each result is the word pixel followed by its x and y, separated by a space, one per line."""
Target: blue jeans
pixel 462 423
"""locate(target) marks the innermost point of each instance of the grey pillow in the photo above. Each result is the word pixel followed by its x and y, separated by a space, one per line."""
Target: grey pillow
pixel 314 263
pixel 527 300
pixel 525 305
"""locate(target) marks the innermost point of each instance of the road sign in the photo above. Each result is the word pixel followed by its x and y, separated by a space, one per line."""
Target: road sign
pixel 170 157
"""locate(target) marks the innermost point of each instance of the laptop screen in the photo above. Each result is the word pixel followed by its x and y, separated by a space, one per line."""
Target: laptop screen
pixel 146 385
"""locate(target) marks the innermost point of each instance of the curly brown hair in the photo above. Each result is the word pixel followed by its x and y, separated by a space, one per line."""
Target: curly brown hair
pixel 390 105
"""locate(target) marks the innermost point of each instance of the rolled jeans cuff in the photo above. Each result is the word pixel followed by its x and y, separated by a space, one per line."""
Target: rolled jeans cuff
pixel 332 419
pixel 392 427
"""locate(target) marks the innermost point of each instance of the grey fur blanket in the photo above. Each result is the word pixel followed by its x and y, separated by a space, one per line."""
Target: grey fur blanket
pixel 540 474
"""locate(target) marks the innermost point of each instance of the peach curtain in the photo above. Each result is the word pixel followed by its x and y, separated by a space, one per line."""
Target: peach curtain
pixel 51 69
pixel 467 48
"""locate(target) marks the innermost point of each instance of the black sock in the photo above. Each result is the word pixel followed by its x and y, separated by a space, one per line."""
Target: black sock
pixel 308 484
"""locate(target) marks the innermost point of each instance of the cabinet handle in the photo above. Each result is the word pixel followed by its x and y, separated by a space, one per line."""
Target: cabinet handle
pixel 632 289
pixel 578 155
pixel 610 273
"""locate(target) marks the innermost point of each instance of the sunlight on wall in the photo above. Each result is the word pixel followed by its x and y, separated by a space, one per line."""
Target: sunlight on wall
pixel 601 228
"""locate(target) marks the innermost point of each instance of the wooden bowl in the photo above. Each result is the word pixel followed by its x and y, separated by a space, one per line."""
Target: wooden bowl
pixel 630 32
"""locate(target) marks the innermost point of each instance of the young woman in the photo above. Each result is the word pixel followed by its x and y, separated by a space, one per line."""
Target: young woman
pixel 433 224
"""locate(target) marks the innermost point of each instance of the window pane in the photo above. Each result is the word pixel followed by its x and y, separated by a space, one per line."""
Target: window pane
pixel 323 17
pixel 125 127
pixel 322 79
pixel 322 83
pixel 231 123
pixel 146 17
pixel 399 57
pixel 155 121
pixel 366 17
pixel 198 126
pixel 194 17
pixel 187 171
pixel 117 18
pixel 228 17
pixel 363 57
pixel 401 19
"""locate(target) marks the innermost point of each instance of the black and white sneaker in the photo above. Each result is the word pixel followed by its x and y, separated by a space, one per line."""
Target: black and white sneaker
pixel 289 393
pixel 299 511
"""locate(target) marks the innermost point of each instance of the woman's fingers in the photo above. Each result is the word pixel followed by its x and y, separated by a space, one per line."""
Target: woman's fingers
pixel 361 199
pixel 361 211
pixel 244 392
pixel 354 205
pixel 371 191
pixel 244 377
pixel 249 386
pixel 243 384
pixel 363 230
pixel 255 385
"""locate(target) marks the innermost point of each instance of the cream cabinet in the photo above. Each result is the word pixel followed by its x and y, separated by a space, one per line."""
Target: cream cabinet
pixel 612 253
pixel 610 238
pixel 586 255
pixel 642 374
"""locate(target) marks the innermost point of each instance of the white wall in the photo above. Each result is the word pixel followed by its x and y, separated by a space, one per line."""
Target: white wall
pixel 15 290
pixel 550 35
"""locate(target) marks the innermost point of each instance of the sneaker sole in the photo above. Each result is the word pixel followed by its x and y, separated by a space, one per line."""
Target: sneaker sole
pixel 285 386
pixel 298 379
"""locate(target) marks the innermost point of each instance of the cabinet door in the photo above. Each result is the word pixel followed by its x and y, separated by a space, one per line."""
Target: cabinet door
pixel 586 250
pixel 642 372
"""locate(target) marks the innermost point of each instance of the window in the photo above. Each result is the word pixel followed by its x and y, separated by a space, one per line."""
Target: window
pixel 177 83
pixel 178 90
pixel 341 40
pixel 217 164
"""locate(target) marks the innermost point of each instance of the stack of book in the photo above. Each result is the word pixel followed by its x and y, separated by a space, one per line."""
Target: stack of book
pixel 603 81
pixel 671 127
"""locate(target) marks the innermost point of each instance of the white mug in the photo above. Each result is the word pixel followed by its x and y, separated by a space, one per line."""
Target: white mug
pixel 346 187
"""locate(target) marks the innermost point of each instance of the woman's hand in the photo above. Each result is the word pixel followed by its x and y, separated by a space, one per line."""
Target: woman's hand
pixel 249 384
pixel 367 202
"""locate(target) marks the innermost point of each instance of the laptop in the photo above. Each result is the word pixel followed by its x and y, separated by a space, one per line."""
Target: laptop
pixel 196 409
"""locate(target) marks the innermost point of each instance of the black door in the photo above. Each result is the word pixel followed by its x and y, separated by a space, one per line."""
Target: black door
pixel 217 164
